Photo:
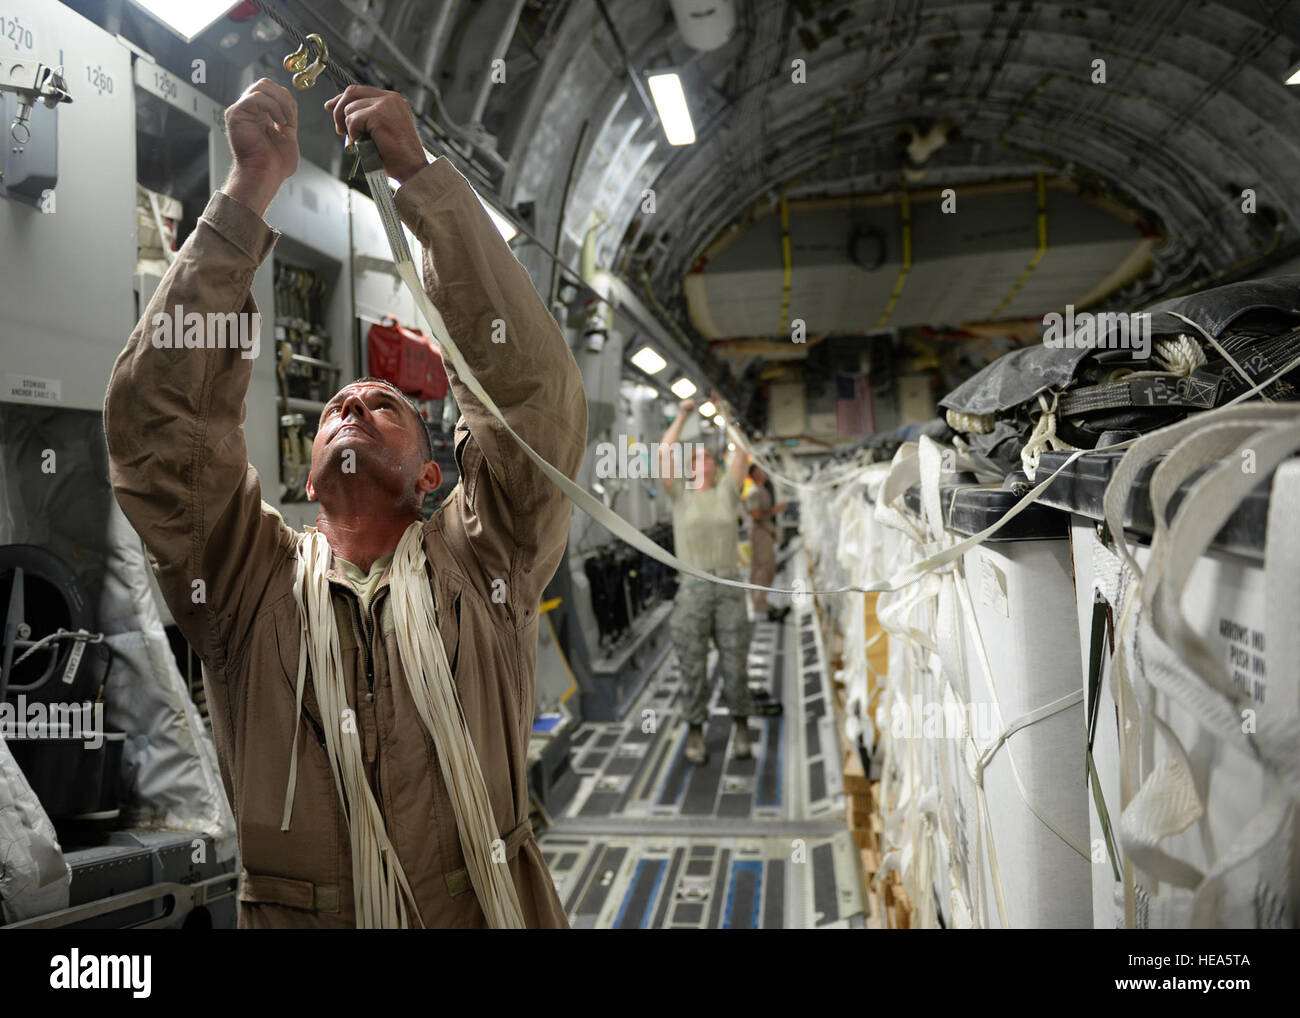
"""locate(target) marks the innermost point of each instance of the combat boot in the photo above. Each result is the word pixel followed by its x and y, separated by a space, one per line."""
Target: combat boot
pixel 740 748
pixel 696 750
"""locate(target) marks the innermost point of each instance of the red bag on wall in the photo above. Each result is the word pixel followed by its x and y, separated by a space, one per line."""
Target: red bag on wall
pixel 416 354
pixel 408 359
pixel 384 347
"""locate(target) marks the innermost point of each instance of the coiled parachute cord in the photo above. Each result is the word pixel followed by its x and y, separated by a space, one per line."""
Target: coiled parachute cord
pixel 973 424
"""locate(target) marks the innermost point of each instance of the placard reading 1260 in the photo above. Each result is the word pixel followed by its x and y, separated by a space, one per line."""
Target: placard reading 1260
pixel 99 81
pixel 13 32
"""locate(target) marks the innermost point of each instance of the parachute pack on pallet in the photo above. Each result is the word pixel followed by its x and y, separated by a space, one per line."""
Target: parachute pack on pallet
pixel 1101 384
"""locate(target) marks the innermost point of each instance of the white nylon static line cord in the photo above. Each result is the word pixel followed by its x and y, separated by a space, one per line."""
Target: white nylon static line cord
pixel 377 180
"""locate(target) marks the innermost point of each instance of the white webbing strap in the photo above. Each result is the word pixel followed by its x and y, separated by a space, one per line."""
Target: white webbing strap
pixel 433 689
pixel 1269 827
pixel 382 896
pixel 591 505
pixel 381 893
pixel 1183 666
pixel 1279 719
pixel 1175 659
pixel 1166 804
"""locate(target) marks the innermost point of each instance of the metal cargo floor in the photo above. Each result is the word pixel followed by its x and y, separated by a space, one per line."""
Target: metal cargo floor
pixel 649 841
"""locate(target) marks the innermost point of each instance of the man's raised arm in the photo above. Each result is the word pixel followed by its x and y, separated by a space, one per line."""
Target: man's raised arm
pixel 174 411
pixel 516 518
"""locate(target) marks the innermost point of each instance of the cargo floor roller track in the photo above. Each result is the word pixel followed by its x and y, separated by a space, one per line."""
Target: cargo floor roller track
pixel 649 841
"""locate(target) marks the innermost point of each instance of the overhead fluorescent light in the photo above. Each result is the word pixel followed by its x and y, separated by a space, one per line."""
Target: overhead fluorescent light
pixel 1293 78
pixel 708 409
pixel 683 387
pixel 670 101
pixel 720 421
pixel 649 361
pixel 187 18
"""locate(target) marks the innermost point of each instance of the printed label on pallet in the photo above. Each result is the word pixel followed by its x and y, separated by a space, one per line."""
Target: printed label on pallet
pixel 1245 657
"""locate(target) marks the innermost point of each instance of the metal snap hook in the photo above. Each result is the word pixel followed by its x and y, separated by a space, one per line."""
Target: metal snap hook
pixel 307 73
pixel 299 59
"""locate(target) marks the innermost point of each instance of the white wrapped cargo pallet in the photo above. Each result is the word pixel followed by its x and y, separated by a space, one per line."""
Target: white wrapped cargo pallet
pixel 860 553
pixel 1196 746
pixel 1016 608
pixel 992 664
pixel 919 818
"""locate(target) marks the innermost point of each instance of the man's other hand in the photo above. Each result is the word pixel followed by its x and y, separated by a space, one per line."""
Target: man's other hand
pixel 262 127
pixel 388 118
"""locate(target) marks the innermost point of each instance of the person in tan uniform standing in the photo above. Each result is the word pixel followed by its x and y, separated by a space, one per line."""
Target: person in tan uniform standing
pixel 762 540
pixel 228 564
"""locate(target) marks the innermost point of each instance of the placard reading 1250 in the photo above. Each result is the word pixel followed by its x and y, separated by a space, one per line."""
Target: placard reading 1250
pixel 12 31
pixel 165 84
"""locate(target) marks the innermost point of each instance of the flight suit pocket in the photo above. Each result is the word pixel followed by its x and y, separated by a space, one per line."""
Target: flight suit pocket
pixel 310 849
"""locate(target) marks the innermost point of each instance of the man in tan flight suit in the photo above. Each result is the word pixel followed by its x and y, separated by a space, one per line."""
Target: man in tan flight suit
pixel 226 561
pixel 762 540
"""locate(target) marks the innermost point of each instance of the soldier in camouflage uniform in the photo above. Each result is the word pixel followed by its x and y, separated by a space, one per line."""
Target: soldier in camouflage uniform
pixel 706 511
pixel 704 611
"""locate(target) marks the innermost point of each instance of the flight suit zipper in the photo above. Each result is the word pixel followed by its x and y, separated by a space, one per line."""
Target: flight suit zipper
pixel 455 656
pixel 367 656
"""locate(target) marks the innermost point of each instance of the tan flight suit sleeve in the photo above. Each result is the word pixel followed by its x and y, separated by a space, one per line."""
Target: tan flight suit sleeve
pixel 515 519
pixel 178 462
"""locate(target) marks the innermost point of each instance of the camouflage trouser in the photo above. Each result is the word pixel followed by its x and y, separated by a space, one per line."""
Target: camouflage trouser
pixel 702 610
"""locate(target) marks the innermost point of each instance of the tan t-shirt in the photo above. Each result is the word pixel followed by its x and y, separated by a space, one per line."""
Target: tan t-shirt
pixel 366 584
pixel 705 531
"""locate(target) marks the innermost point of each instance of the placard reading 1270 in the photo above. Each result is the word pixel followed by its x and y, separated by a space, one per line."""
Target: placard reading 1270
pixel 13 32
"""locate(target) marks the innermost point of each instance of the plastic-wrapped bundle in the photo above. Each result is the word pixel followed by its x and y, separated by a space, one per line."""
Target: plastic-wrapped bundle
pixel 1123 375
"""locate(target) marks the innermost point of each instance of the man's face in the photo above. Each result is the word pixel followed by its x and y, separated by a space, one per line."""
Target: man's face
pixel 367 429
pixel 760 477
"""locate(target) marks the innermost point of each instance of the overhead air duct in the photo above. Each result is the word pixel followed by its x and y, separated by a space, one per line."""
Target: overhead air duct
pixel 705 24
